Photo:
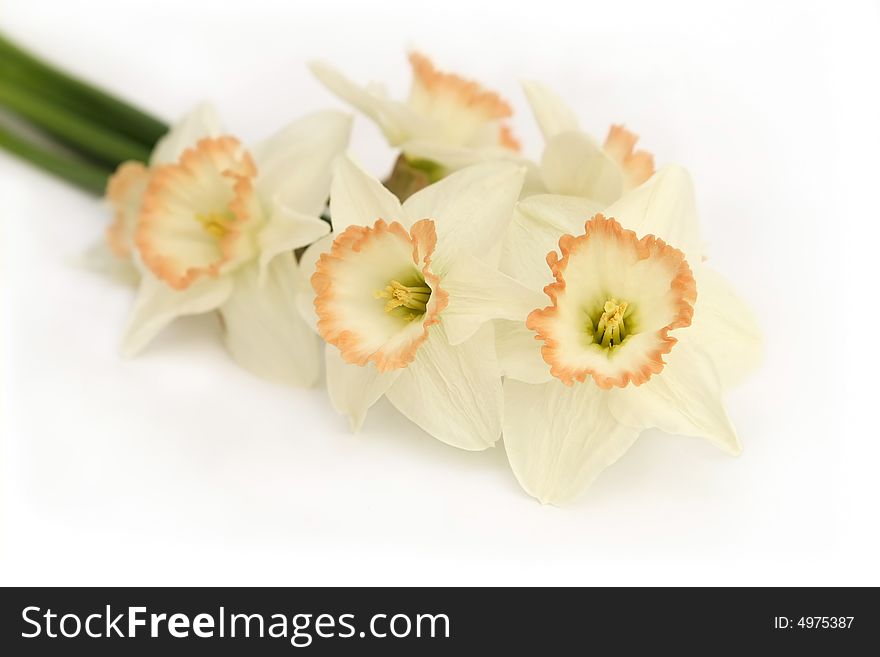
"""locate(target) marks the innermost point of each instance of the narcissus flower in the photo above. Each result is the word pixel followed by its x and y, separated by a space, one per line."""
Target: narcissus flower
pixel 447 120
pixel 126 187
pixel 216 230
pixel 403 294
pixel 573 164
pixel 635 332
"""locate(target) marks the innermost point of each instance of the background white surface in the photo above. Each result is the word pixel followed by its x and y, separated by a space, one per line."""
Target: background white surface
pixel 179 468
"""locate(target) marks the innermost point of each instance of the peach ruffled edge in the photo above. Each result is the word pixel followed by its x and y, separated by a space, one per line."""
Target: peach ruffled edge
pixel 468 92
pixel 129 179
pixel 683 284
pixel 423 238
pixel 227 154
pixel 637 166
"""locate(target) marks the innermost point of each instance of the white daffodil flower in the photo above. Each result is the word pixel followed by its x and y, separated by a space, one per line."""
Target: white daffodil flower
pixel 447 120
pixel 125 190
pixel 403 294
pixel 574 164
pixel 638 333
pixel 215 229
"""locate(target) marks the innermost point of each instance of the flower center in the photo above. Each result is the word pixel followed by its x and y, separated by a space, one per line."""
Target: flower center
pixel 216 224
pixel 405 298
pixel 609 328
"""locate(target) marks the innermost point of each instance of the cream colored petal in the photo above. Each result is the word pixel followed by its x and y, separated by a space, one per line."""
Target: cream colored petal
pixel 725 327
pixel 453 393
pixel 358 199
pixel 551 112
pixel 294 166
pixel 683 399
pixel 265 333
pixel 396 119
pixel 471 210
pixel 453 157
pixel 478 292
pixel 99 259
pixel 354 389
pixel 286 231
pixel 663 206
pixel 201 122
pixel 519 353
pixel 538 223
pixel 157 305
pixel 559 438
pixel 574 165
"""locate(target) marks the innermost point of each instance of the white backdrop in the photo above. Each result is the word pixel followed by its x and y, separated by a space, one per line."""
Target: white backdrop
pixel 179 468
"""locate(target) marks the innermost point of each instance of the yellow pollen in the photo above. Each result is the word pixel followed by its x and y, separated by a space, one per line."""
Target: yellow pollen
pixel 611 330
pixel 214 223
pixel 414 297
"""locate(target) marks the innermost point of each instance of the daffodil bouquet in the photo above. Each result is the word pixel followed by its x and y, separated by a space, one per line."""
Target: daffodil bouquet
pixel 564 304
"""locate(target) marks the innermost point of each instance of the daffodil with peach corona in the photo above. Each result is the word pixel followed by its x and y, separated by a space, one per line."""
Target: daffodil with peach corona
pixel 635 332
pixel 448 122
pixel 215 229
pixel 403 295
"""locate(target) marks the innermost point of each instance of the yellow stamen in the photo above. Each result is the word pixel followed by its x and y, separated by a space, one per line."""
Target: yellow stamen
pixel 414 297
pixel 611 329
pixel 214 223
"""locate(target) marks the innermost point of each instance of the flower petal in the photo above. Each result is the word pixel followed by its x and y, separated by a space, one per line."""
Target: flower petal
pixel 574 165
pixel 294 166
pixel 684 399
pixel 307 264
pixel 551 112
pixel 265 332
pixel 726 328
pixel 157 305
pixel 477 293
pixel 358 199
pixel 538 223
pixel 519 353
pixel 396 120
pixel 453 393
pixel 199 123
pixel 286 231
pixel 559 438
pixel 471 210
pixel 664 206
pixel 353 389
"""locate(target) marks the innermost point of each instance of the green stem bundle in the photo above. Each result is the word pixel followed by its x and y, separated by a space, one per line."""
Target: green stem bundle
pixel 101 130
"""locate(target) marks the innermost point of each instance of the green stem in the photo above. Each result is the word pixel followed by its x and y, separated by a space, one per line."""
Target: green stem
pixel 83 135
pixel 87 176
pixel 82 97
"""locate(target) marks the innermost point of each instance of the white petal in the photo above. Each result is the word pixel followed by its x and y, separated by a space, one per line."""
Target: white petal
pixel 575 165
pixel 264 330
pixel 199 123
pixel 294 166
pixel 663 206
pixel 478 292
pixel 286 231
pixel 396 120
pixel 99 259
pixel 453 157
pixel 471 210
pixel 551 112
pixel 559 438
pixel 538 223
pixel 519 353
pixel 684 399
pixel 157 305
pixel 453 393
pixel 726 328
pixel 358 199
pixel 354 389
